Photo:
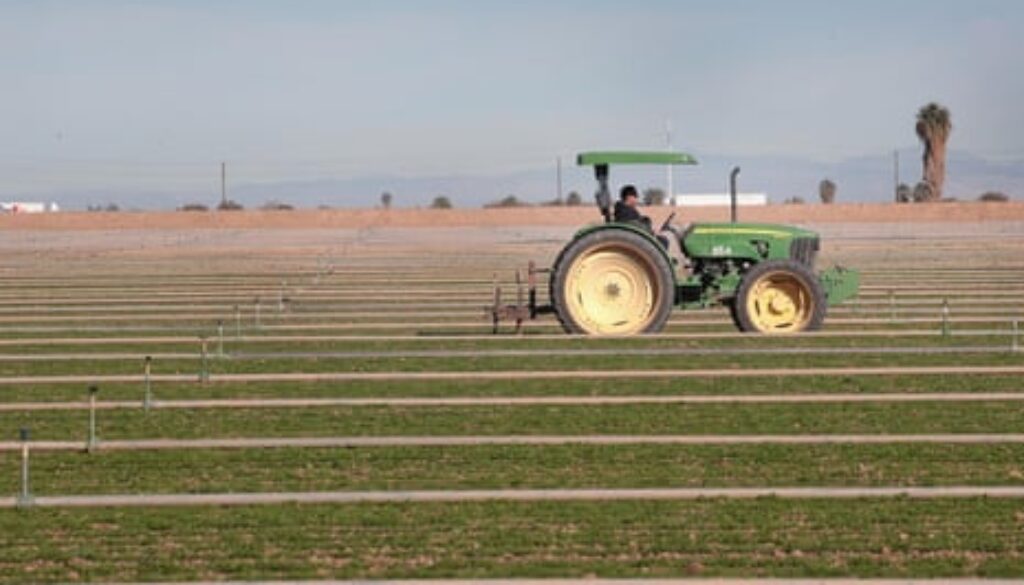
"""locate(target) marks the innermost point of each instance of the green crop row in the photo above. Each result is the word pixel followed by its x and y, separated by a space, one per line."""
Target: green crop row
pixel 514 467
pixel 506 388
pixel 761 538
pixel 272 364
pixel 628 419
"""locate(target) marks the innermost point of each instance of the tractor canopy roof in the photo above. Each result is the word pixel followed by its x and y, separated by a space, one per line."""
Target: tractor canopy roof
pixel 624 157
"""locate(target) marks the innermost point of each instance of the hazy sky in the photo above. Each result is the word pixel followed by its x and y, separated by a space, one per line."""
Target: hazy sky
pixel 152 95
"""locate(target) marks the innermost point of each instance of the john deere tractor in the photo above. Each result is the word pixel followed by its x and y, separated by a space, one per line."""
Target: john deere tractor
pixel 624 278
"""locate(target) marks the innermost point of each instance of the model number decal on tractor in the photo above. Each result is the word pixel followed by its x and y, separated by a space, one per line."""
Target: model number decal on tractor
pixel 721 250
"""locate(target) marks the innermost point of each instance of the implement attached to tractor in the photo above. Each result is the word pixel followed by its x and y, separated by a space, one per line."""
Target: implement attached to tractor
pixel 620 278
pixel 520 311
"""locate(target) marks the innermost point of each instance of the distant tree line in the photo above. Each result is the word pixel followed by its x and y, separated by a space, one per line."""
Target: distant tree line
pixel 441 202
pixel 651 196
pixel 275 205
pixel 994 197
pixel 229 205
pixel 506 201
pixel 108 208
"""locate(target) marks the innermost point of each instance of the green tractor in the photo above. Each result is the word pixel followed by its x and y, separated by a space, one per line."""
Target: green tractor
pixel 622 278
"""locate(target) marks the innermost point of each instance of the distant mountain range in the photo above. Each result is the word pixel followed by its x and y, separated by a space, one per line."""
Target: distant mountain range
pixel 862 179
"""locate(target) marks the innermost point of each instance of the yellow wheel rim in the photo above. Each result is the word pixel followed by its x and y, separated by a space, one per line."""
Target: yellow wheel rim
pixel 779 302
pixel 612 290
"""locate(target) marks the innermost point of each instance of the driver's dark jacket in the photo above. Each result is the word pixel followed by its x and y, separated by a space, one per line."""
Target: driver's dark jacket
pixel 628 214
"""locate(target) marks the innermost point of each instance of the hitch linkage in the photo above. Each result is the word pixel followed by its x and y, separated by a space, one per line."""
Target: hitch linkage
pixel 520 311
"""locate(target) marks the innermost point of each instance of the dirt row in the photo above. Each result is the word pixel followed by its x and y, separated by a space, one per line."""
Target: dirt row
pixel 529 216
pixel 516 401
pixel 508 440
pixel 516 495
pixel 525 375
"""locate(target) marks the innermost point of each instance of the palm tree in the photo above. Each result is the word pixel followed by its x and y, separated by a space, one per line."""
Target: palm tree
pixel 904 193
pixel 923 192
pixel 827 191
pixel 934 124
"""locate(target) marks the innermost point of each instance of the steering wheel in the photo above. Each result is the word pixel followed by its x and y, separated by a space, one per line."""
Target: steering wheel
pixel 668 222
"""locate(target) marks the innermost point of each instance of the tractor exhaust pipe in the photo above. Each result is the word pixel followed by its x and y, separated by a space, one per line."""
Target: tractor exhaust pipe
pixel 732 193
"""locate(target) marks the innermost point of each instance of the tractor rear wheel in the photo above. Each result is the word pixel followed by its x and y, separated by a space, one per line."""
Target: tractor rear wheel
pixel 612 282
pixel 779 297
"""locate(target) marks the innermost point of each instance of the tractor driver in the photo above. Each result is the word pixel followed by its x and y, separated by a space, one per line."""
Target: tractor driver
pixel 626 208
pixel 626 212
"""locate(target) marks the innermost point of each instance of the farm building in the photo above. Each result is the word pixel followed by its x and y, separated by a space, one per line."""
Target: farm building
pixel 719 199
pixel 28 207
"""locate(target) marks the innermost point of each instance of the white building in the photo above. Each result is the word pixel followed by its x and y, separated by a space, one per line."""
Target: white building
pixel 28 207
pixel 719 199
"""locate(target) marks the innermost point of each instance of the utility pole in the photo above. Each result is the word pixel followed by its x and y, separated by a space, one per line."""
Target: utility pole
pixel 668 144
pixel 896 175
pixel 223 185
pixel 558 168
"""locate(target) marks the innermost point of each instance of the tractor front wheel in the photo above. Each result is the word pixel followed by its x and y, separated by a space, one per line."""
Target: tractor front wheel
pixel 779 297
pixel 612 282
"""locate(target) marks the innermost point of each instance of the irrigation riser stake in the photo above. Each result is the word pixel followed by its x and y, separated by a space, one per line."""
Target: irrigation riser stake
pixel 25 498
pixel 945 318
pixel 220 338
pixel 92 442
pixel 1015 342
pixel 147 401
pixel 204 372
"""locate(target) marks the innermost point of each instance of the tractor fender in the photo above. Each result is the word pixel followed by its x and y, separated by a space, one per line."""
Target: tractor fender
pixel 622 227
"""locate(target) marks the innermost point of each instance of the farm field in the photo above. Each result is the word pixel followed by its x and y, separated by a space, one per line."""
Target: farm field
pixel 330 403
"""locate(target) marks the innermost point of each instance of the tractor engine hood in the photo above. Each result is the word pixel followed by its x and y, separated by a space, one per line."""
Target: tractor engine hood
pixel 749 241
